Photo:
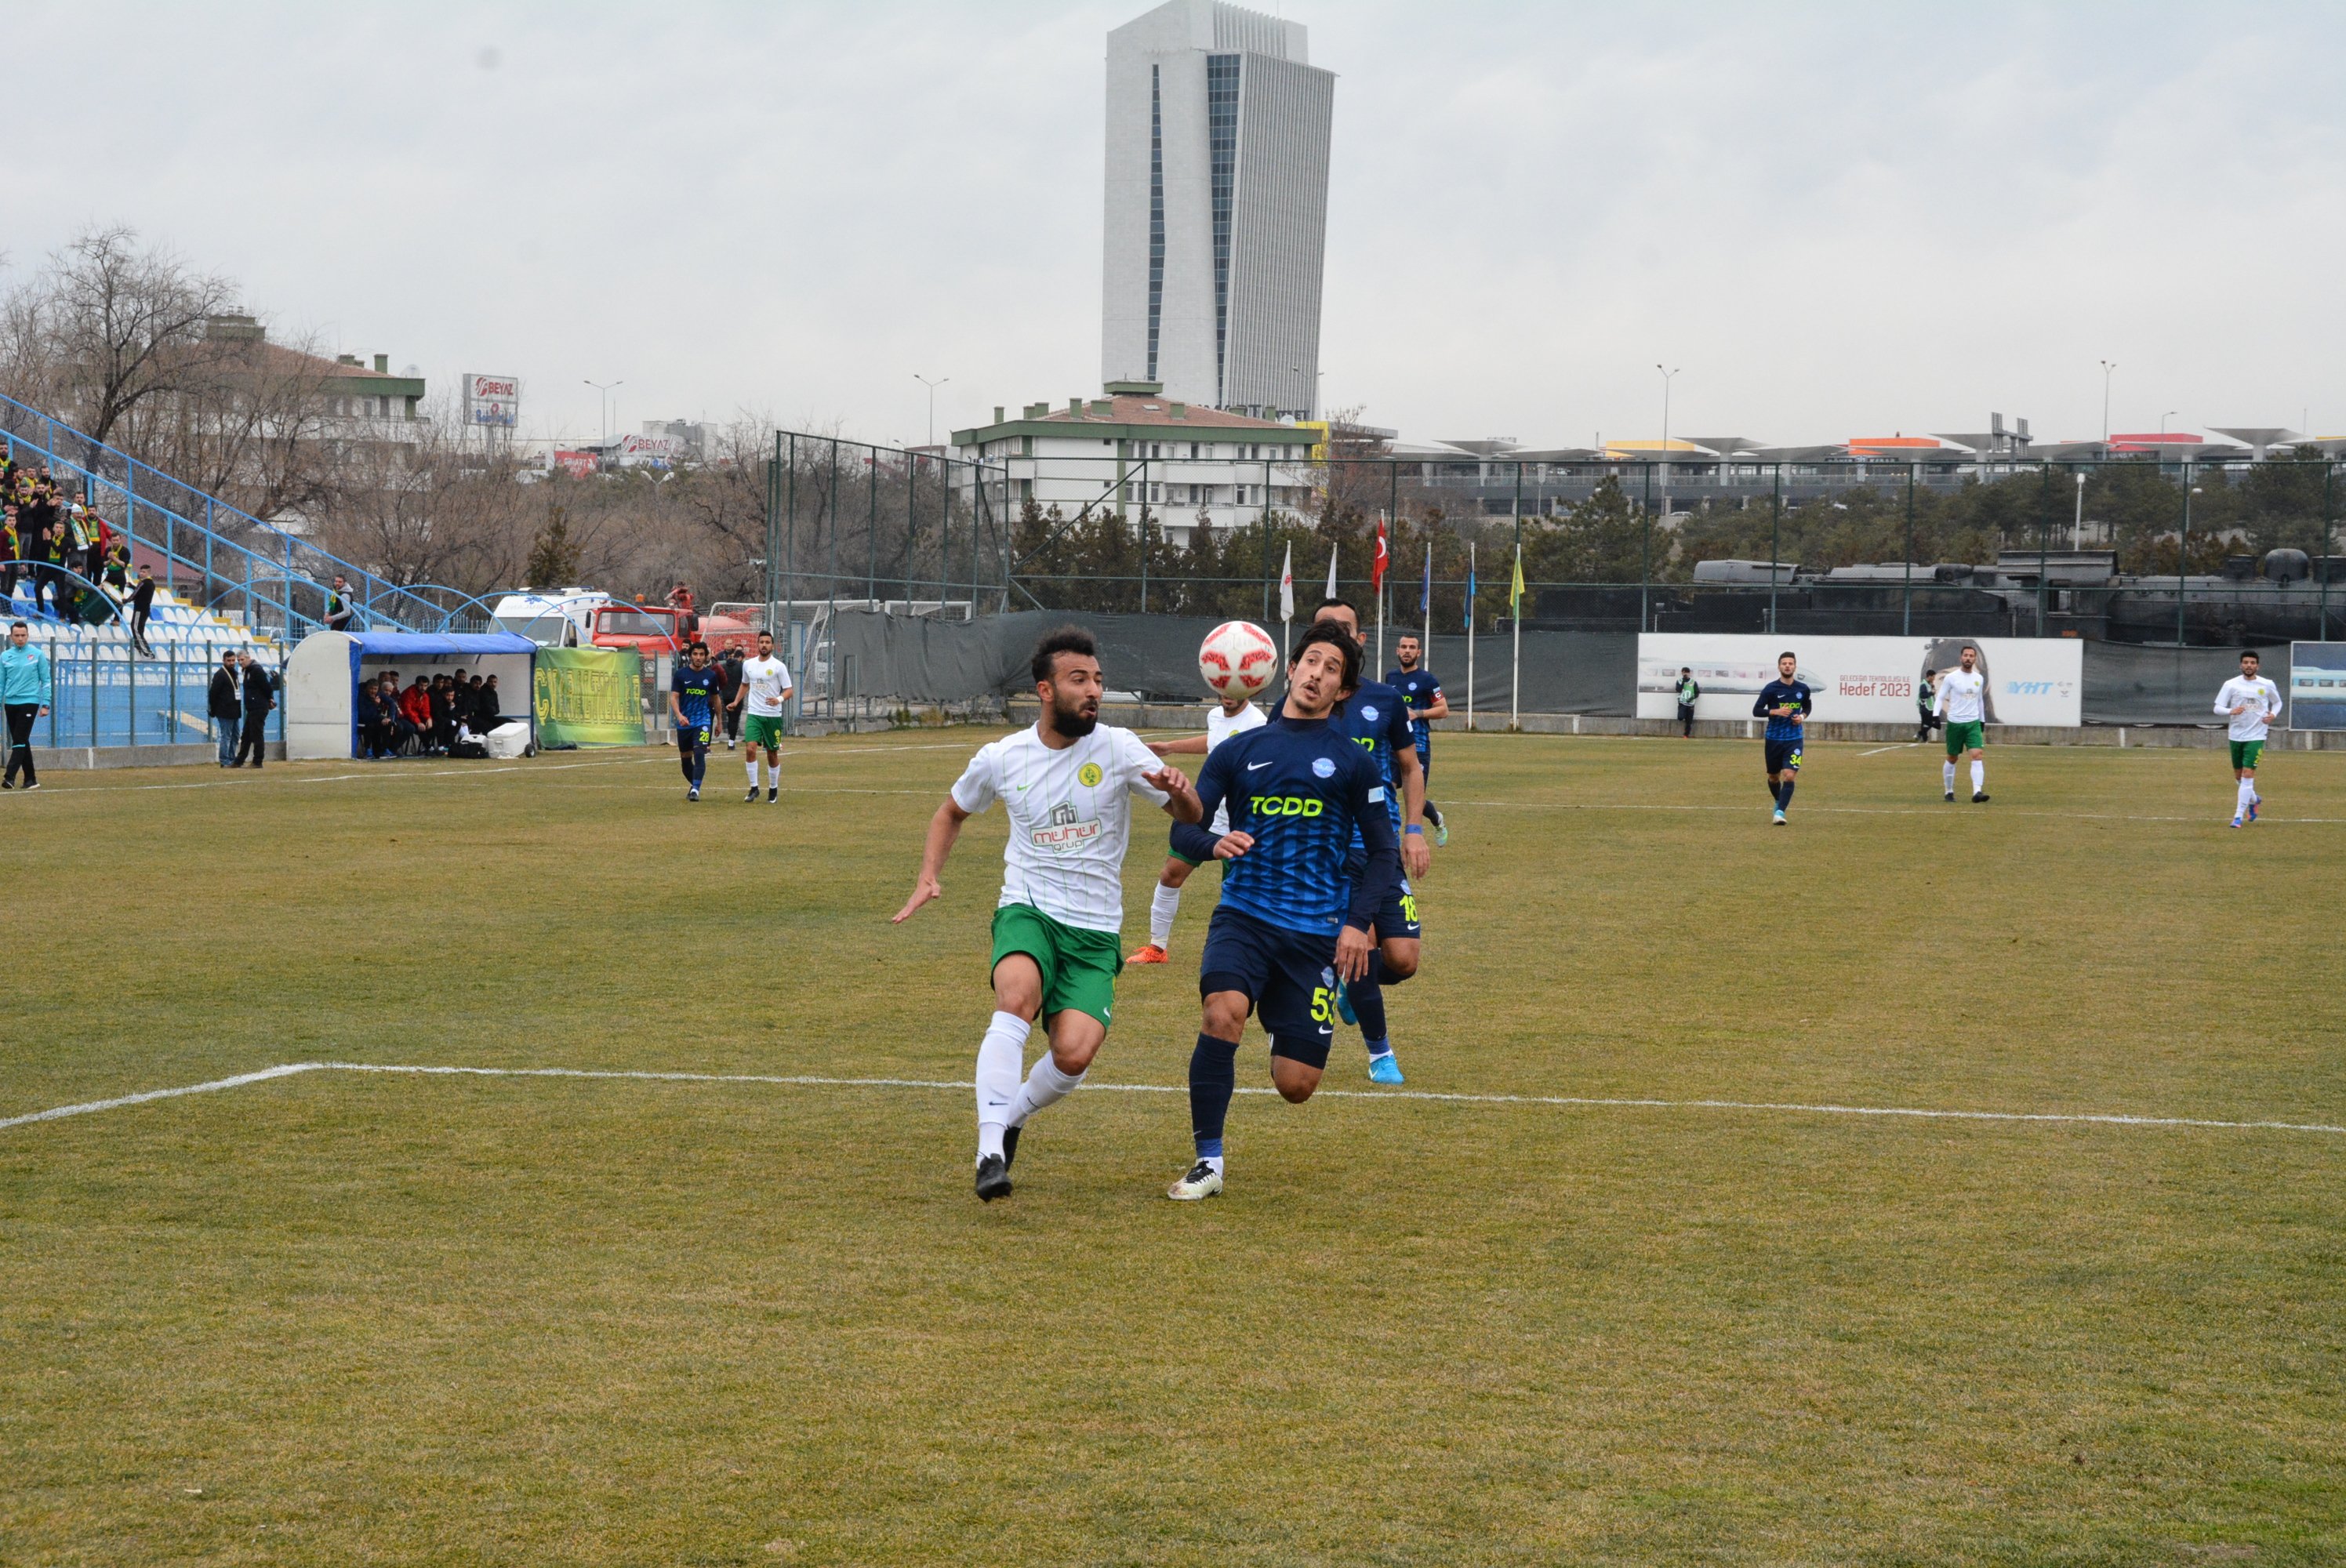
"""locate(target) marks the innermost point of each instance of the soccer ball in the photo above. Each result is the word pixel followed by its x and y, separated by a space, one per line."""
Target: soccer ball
pixel 1238 658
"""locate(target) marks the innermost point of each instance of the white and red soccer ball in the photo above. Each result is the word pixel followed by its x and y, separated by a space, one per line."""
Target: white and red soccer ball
pixel 1238 658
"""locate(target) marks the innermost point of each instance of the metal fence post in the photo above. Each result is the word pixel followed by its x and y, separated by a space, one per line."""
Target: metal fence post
pixel 1775 545
pixel 2329 527
pixel 1646 549
pixel 93 692
pixel 2182 555
pixel 132 672
pixel 1906 626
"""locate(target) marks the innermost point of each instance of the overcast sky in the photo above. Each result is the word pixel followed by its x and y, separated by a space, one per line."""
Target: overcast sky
pixel 1840 219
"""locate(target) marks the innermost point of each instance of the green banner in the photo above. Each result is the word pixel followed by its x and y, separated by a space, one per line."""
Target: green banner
pixel 589 697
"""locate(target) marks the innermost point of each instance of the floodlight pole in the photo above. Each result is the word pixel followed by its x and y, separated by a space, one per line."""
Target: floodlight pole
pixel 933 386
pixel 604 390
pixel 2077 528
pixel 2183 552
pixel 2107 366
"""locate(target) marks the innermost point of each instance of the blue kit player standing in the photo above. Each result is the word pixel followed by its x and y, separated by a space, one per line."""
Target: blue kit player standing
pixel 1785 703
pixel 693 694
pixel 1376 718
pixel 1291 918
pixel 1420 692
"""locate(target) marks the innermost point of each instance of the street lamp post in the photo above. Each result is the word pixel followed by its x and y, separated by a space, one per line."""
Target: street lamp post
pixel 604 391
pixel 933 386
pixel 2077 529
pixel 2170 414
pixel 1667 376
pixel 2183 555
pixel 2107 366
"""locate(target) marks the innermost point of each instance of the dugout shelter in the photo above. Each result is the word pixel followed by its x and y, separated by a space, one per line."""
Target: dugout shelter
pixel 321 679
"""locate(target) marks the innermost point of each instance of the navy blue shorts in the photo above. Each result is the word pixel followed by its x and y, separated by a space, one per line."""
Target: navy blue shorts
pixel 1289 976
pixel 1783 757
pixel 692 737
pixel 1397 916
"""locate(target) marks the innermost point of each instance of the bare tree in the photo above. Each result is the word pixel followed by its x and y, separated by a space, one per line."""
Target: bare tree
pixel 106 326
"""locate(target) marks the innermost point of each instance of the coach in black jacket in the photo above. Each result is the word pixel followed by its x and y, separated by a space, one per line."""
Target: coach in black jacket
pixel 260 697
pixel 226 706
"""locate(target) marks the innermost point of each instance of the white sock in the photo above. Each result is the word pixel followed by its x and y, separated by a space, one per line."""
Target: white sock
pixel 1950 775
pixel 1163 905
pixel 999 1056
pixel 1045 1085
pixel 1979 776
pixel 1213 1163
pixel 2247 794
pixel 752 763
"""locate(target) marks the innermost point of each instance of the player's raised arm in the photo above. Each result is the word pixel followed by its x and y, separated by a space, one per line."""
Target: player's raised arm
pixel 1188 746
pixel 1437 708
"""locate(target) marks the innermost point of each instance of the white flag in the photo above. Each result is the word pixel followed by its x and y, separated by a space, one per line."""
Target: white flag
pixel 1287 584
pixel 1331 571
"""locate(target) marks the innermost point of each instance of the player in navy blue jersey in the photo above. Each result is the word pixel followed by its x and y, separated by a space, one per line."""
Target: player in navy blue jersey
pixel 693 694
pixel 1292 918
pixel 1374 716
pixel 1421 688
pixel 1785 703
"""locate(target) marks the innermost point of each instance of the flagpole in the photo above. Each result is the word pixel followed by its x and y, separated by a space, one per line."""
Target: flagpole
pixel 1286 603
pixel 1470 636
pixel 1516 679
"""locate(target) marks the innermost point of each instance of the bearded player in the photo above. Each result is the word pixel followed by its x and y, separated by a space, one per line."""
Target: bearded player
pixel 1067 785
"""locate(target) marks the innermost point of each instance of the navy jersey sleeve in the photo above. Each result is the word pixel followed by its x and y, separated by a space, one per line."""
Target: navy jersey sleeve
pixel 1376 829
pixel 1196 840
pixel 1763 702
pixel 1399 735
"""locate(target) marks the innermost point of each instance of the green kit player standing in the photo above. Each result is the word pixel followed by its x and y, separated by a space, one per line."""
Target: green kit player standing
pixel 2251 703
pixel 1961 701
pixel 1067 785
pixel 765 689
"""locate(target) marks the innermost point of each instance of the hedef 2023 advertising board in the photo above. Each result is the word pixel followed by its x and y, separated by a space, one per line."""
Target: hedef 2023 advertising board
pixel 1862 680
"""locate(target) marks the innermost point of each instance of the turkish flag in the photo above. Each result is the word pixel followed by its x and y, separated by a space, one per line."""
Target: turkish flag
pixel 1377 571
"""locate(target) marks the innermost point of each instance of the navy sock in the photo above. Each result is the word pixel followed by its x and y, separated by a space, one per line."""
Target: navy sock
pixel 699 766
pixel 1213 1078
pixel 684 760
pixel 1784 796
pixel 1368 1003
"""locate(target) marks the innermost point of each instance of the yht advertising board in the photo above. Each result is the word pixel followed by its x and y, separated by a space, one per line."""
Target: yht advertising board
pixel 2317 685
pixel 589 697
pixel 1862 680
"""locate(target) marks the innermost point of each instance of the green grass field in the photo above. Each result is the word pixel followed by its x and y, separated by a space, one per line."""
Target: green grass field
pixel 342 1317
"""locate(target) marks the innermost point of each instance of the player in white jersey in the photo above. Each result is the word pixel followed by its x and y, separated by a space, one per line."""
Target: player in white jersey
pixel 1066 786
pixel 2251 703
pixel 766 688
pixel 1961 702
pixel 1231 716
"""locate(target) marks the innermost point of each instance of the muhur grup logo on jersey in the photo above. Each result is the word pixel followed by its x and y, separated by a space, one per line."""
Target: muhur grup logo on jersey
pixel 1060 831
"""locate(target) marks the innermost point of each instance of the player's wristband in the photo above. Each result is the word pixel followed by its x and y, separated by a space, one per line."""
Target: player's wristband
pixel 1414 827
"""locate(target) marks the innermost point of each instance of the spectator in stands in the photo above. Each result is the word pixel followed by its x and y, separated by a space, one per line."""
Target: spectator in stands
pixel 338 606
pixel 226 706
pixel 24 696
pixel 12 549
pixel 415 706
pixel 116 575
pixel 142 604
pixel 45 544
pixel 260 697
pixel 729 671
pixel 100 534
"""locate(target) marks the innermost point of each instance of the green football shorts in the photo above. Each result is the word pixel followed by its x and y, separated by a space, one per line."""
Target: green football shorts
pixel 1963 737
pixel 2245 752
pixel 1079 967
pixel 763 729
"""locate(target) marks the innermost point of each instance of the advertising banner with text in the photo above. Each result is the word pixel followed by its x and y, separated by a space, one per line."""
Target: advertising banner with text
pixel 2317 685
pixel 1862 680
pixel 589 697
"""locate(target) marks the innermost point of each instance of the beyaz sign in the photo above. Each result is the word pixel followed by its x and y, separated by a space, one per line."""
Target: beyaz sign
pixel 1863 680
pixel 492 401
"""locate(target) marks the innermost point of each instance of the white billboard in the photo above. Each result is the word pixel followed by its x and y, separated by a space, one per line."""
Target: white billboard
pixel 493 401
pixel 1862 680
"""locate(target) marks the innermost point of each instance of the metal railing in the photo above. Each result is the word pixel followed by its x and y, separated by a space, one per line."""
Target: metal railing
pixel 277 578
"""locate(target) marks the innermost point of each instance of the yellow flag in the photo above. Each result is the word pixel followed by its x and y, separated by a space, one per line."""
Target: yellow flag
pixel 1515 595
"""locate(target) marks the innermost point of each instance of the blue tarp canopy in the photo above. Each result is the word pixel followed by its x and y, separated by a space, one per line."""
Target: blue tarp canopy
pixel 411 644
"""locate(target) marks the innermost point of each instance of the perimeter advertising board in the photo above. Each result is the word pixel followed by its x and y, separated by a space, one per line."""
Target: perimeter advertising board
pixel 1862 680
pixel 2316 688
pixel 589 697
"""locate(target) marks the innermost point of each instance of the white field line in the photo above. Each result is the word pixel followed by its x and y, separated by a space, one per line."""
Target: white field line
pixel 1901 746
pixel 83 1109
pixel 1418 1095
pixel 2211 819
